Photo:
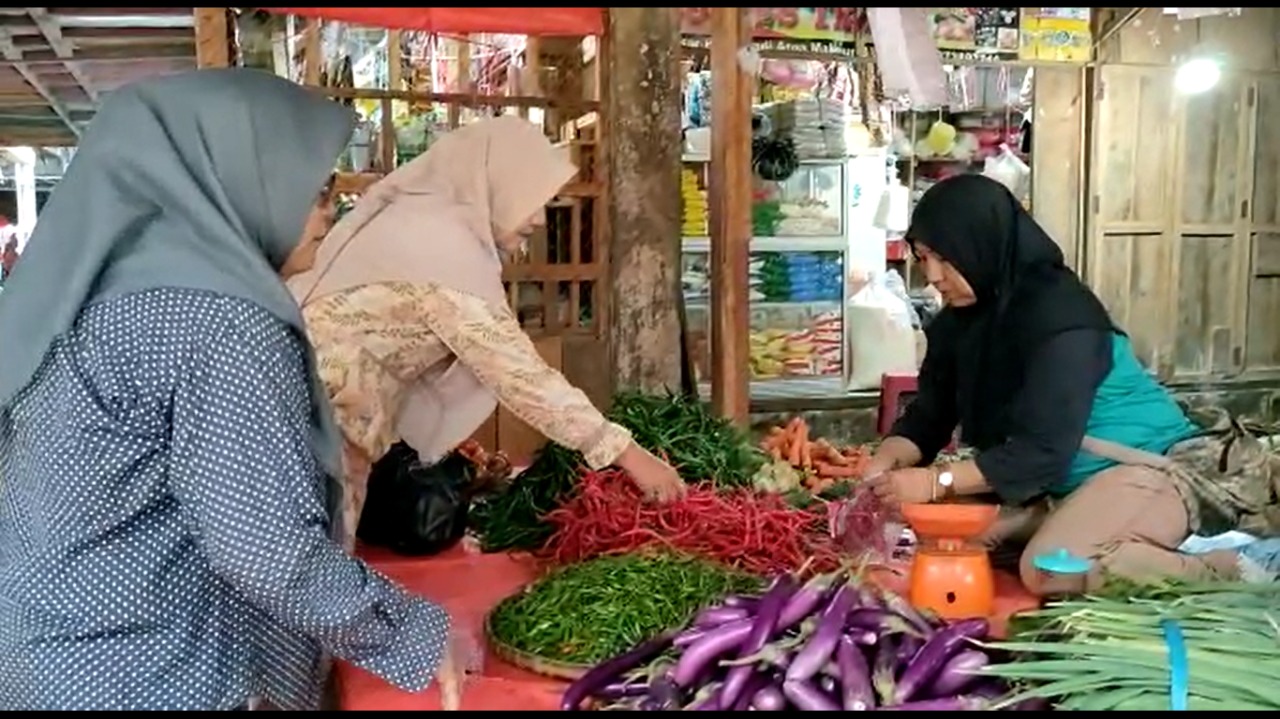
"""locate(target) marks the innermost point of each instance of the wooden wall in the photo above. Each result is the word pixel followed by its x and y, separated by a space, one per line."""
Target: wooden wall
pixel 1182 228
pixel 1057 153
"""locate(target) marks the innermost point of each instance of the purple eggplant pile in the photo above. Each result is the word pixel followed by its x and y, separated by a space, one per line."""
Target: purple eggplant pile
pixel 826 644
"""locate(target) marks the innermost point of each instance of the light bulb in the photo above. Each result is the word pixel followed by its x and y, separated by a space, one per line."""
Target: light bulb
pixel 1197 75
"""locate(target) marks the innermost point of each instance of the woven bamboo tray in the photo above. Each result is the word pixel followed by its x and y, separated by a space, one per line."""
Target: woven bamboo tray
pixel 529 662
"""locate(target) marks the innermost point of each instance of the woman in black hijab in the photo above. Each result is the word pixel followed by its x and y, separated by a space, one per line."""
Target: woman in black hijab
pixel 1026 362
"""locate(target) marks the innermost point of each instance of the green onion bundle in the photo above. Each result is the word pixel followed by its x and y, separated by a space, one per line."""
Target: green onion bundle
pixel 1100 654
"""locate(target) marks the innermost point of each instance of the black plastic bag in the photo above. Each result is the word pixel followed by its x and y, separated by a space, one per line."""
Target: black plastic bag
pixel 414 509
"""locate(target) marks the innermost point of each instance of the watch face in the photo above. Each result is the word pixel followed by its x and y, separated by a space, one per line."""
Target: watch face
pixel 945 479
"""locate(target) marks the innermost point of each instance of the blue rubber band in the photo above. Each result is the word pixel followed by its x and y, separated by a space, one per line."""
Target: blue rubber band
pixel 1179 672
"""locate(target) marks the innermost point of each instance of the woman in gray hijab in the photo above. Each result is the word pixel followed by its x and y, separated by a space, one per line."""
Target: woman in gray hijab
pixel 165 510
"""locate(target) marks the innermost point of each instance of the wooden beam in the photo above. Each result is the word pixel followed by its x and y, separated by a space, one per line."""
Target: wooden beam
pixel 107 55
pixel 643 126
pixel 51 31
pixel 13 56
pixel 212 48
pixel 395 60
pixel 54 103
pixel 458 98
pixel 62 48
pixel 312 53
pixel 729 206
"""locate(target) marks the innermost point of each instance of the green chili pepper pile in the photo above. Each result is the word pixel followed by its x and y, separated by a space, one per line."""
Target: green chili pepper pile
pixel 701 446
pixel 586 613
pixel 512 518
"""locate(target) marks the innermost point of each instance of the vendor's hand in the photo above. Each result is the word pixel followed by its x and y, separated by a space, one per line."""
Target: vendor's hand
pixel 915 485
pixel 655 478
pixel 878 465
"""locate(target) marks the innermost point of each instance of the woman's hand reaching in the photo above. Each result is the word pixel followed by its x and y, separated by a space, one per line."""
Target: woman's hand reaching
pixel 914 485
pixel 655 477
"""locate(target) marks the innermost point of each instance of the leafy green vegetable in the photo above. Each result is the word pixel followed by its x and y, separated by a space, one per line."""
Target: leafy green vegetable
pixel 698 444
pixel 512 518
pixel 586 613
pixel 1109 654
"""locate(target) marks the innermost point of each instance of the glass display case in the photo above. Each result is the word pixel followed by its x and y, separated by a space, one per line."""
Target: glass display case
pixel 796 299
pixel 804 230
pixel 803 212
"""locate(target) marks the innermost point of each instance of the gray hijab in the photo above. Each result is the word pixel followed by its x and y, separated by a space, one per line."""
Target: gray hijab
pixel 201 180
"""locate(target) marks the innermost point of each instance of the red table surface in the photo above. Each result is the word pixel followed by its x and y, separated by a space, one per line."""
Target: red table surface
pixel 468 585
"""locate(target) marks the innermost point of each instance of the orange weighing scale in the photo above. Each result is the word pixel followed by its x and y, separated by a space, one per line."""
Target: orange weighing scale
pixel 951 573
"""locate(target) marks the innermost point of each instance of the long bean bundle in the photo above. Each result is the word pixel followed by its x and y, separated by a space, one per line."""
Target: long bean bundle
pixel 1099 654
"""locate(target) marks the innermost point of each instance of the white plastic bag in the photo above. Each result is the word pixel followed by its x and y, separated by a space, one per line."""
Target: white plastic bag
pixel 907 55
pixel 898 286
pixel 881 338
pixel 1009 170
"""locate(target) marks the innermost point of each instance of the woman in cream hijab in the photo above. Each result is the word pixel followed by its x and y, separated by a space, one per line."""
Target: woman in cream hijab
pixel 412 330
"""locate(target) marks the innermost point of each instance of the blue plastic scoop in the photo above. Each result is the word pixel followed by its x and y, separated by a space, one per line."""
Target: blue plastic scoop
pixel 1060 561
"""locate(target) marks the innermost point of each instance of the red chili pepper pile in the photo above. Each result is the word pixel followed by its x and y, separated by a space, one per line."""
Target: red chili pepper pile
pixel 757 533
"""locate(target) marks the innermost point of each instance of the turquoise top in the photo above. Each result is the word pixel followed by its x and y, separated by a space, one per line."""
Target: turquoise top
pixel 1130 408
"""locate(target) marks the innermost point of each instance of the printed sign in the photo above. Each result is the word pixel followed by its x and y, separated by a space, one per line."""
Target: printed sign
pixel 1056 34
pixel 829 24
pixel 976 32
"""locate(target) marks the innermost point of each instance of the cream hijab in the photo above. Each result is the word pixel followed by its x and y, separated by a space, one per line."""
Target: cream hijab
pixel 433 221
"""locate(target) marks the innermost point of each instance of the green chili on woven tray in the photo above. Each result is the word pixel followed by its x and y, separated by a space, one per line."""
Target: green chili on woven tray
pixel 698 444
pixel 588 612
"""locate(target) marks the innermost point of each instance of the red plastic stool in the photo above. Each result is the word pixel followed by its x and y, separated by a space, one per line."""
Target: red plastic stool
pixel 896 391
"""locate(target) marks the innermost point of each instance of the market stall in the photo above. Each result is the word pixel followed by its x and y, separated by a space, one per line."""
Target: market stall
pixel 815 176
pixel 780 581
pixel 566 568
pixel 414 74
pixel 830 150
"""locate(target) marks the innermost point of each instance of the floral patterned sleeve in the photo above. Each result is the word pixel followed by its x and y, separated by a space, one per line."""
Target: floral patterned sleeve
pixel 491 343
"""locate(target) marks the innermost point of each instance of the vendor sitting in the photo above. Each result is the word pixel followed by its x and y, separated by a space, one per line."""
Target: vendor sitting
pixel 1026 361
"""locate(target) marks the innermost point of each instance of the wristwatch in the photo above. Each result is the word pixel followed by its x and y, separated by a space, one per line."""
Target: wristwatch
pixel 945 484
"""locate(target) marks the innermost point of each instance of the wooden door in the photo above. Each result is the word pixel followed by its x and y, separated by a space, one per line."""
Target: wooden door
pixel 1130 250
pixel 1170 242
pixel 1262 348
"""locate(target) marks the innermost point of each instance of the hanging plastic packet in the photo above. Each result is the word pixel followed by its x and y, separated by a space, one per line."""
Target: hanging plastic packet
pixel 864 528
pixel 907 55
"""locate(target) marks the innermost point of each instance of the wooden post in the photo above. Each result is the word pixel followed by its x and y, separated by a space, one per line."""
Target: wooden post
pixel 642 116
pixel 729 205
pixel 312 52
pixel 213 48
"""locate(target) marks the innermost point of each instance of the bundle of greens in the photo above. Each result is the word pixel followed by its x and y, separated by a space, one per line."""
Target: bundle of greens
pixel 588 612
pixel 1111 654
pixel 512 518
pixel 701 446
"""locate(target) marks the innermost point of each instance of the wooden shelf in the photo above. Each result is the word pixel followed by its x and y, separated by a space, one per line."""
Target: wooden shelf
pixel 358 182
pixel 354 182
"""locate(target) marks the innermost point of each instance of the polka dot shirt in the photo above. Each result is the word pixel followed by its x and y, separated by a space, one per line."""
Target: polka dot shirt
pixel 164 542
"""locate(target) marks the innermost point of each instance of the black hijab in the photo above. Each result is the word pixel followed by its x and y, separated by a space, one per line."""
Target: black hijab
pixel 1025 295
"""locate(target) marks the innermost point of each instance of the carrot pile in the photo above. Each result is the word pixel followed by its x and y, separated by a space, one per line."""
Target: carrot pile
pixel 757 533
pixel 823 464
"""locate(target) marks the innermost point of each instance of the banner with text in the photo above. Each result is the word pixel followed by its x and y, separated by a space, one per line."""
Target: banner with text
pixel 826 24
